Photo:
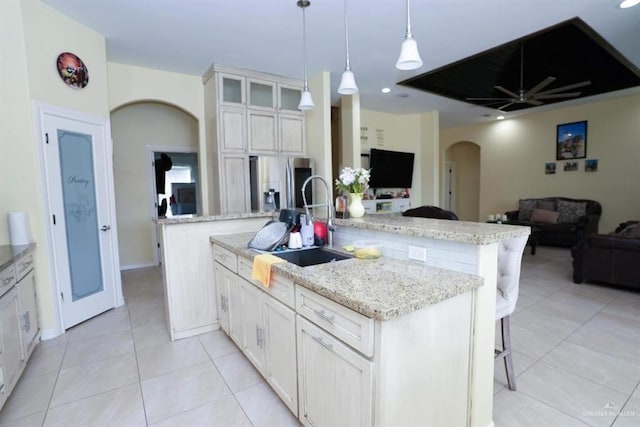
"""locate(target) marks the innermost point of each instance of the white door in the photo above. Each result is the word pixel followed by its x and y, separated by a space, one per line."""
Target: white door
pixel 79 180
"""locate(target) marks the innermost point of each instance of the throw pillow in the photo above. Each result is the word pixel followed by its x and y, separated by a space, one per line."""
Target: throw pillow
pixel 632 231
pixel 525 207
pixel 546 216
pixel 546 204
pixel 571 211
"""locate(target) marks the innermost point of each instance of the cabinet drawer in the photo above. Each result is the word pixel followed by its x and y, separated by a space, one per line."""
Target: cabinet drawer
pixel 225 257
pixel 23 266
pixel 345 324
pixel 281 288
pixel 7 278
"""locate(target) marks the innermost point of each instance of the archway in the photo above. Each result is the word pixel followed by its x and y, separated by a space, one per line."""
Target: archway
pixel 462 180
pixel 138 129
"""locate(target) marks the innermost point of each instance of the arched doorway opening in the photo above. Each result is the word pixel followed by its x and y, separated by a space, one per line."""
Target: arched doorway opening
pixel 461 192
pixel 140 130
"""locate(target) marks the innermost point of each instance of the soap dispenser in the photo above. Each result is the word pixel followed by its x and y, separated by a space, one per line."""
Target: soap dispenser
pixel 306 231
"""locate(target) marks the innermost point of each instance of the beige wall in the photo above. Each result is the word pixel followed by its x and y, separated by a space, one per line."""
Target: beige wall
pixel 401 133
pixel 514 153
pixel 130 84
pixel 466 156
pixel 133 128
pixel 32 37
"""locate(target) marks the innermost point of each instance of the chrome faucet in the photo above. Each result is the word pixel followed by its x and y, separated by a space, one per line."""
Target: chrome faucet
pixel 330 226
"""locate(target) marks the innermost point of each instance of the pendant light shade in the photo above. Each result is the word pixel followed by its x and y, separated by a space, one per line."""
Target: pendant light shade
pixel 348 82
pixel 409 56
pixel 306 101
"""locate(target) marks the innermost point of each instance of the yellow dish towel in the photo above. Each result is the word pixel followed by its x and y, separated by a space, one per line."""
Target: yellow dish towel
pixel 261 270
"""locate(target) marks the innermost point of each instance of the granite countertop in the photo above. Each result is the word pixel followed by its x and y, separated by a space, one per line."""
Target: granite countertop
pixel 185 219
pixel 10 254
pixel 477 233
pixel 381 289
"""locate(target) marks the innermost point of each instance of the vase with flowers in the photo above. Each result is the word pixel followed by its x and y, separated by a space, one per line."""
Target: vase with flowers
pixel 354 181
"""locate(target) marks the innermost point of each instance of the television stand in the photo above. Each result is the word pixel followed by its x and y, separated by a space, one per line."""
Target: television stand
pixel 386 205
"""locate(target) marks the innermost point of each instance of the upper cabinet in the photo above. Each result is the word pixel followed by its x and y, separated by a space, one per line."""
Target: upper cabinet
pixel 231 89
pixel 262 94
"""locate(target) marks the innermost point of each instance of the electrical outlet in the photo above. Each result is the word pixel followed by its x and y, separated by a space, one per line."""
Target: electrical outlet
pixel 417 253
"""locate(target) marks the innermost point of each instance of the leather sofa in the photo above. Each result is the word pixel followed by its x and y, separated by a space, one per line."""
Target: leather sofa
pixel 567 231
pixel 609 258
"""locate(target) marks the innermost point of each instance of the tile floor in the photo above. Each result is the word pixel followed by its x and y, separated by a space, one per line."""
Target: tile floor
pixel 576 355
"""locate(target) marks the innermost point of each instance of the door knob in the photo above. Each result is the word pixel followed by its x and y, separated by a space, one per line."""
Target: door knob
pixel 105 227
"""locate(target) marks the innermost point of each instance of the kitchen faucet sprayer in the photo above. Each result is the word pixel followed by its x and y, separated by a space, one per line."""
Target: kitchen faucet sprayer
pixel 330 226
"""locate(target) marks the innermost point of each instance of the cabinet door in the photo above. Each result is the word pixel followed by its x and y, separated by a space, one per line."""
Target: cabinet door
pixel 262 94
pixel 222 296
pixel 234 188
pixel 29 312
pixel 236 331
pixel 233 129
pixel 12 357
pixel 253 342
pixel 292 134
pixel 231 89
pixel 262 132
pixel 289 98
pixel 334 382
pixel 280 351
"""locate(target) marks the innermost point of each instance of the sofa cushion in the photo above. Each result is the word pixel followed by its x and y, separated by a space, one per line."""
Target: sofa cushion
pixel 546 216
pixel 571 211
pixel 525 207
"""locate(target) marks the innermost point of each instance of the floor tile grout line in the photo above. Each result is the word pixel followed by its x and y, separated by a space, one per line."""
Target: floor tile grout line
pixel 135 353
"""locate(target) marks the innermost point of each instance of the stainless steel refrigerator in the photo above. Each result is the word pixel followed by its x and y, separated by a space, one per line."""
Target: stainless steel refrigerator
pixel 276 182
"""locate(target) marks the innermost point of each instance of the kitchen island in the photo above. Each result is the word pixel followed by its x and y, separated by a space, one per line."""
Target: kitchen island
pixel 187 271
pixel 391 341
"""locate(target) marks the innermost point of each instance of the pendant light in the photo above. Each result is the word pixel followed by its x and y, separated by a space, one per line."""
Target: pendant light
pixel 348 83
pixel 409 57
pixel 306 102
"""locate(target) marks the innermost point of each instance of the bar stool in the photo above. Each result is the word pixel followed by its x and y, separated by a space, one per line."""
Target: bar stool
pixel 509 261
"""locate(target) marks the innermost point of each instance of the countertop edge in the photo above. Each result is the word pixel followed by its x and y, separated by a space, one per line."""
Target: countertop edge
pixel 16 252
pixel 188 219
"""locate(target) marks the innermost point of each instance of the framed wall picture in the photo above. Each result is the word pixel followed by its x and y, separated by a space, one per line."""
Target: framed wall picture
pixel 571 141
pixel 550 168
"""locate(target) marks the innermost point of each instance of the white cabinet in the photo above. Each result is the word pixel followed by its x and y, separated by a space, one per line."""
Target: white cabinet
pixel 235 182
pixel 222 295
pixel 11 358
pixel 28 312
pixel 262 94
pixel 292 134
pixel 263 136
pixel 269 341
pixel 334 382
pixel 228 303
pixel 233 131
pixel 231 89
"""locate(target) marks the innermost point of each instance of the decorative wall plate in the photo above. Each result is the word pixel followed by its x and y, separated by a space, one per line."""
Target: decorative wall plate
pixel 72 70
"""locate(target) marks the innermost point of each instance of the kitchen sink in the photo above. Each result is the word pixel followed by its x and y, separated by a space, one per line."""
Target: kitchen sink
pixel 307 257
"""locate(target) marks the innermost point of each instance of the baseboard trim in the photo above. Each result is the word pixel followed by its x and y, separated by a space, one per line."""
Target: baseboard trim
pixel 136 266
pixel 49 334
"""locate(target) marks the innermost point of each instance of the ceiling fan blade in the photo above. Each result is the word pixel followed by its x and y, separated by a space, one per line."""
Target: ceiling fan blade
pixel 508 92
pixel 533 102
pixel 505 106
pixel 546 82
pixel 488 99
pixel 558 95
pixel 563 88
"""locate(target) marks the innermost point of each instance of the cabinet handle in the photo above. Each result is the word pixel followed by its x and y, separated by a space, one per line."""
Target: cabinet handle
pixel 27 318
pixel 320 341
pixel 223 303
pixel 325 316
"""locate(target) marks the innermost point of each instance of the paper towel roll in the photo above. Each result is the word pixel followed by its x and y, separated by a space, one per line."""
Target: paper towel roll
pixel 19 231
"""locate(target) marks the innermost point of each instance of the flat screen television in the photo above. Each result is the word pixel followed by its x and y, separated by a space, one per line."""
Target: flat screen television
pixel 390 169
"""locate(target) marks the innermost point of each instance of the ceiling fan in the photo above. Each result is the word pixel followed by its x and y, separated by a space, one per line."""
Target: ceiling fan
pixel 533 96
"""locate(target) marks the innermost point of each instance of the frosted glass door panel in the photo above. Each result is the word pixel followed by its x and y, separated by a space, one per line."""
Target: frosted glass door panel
pixel 80 213
pixel 231 90
pixel 289 99
pixel 261 95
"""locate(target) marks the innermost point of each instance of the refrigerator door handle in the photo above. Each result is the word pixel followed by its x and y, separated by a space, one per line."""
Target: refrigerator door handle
pixel 290 187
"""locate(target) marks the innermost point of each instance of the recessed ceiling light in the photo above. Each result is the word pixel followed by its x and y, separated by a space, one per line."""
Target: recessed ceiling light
pixel 628 3
pixel 386 90
pixel 500 117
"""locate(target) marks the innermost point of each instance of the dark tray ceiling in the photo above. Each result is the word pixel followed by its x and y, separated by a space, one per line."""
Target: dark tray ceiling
pixel 571 52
